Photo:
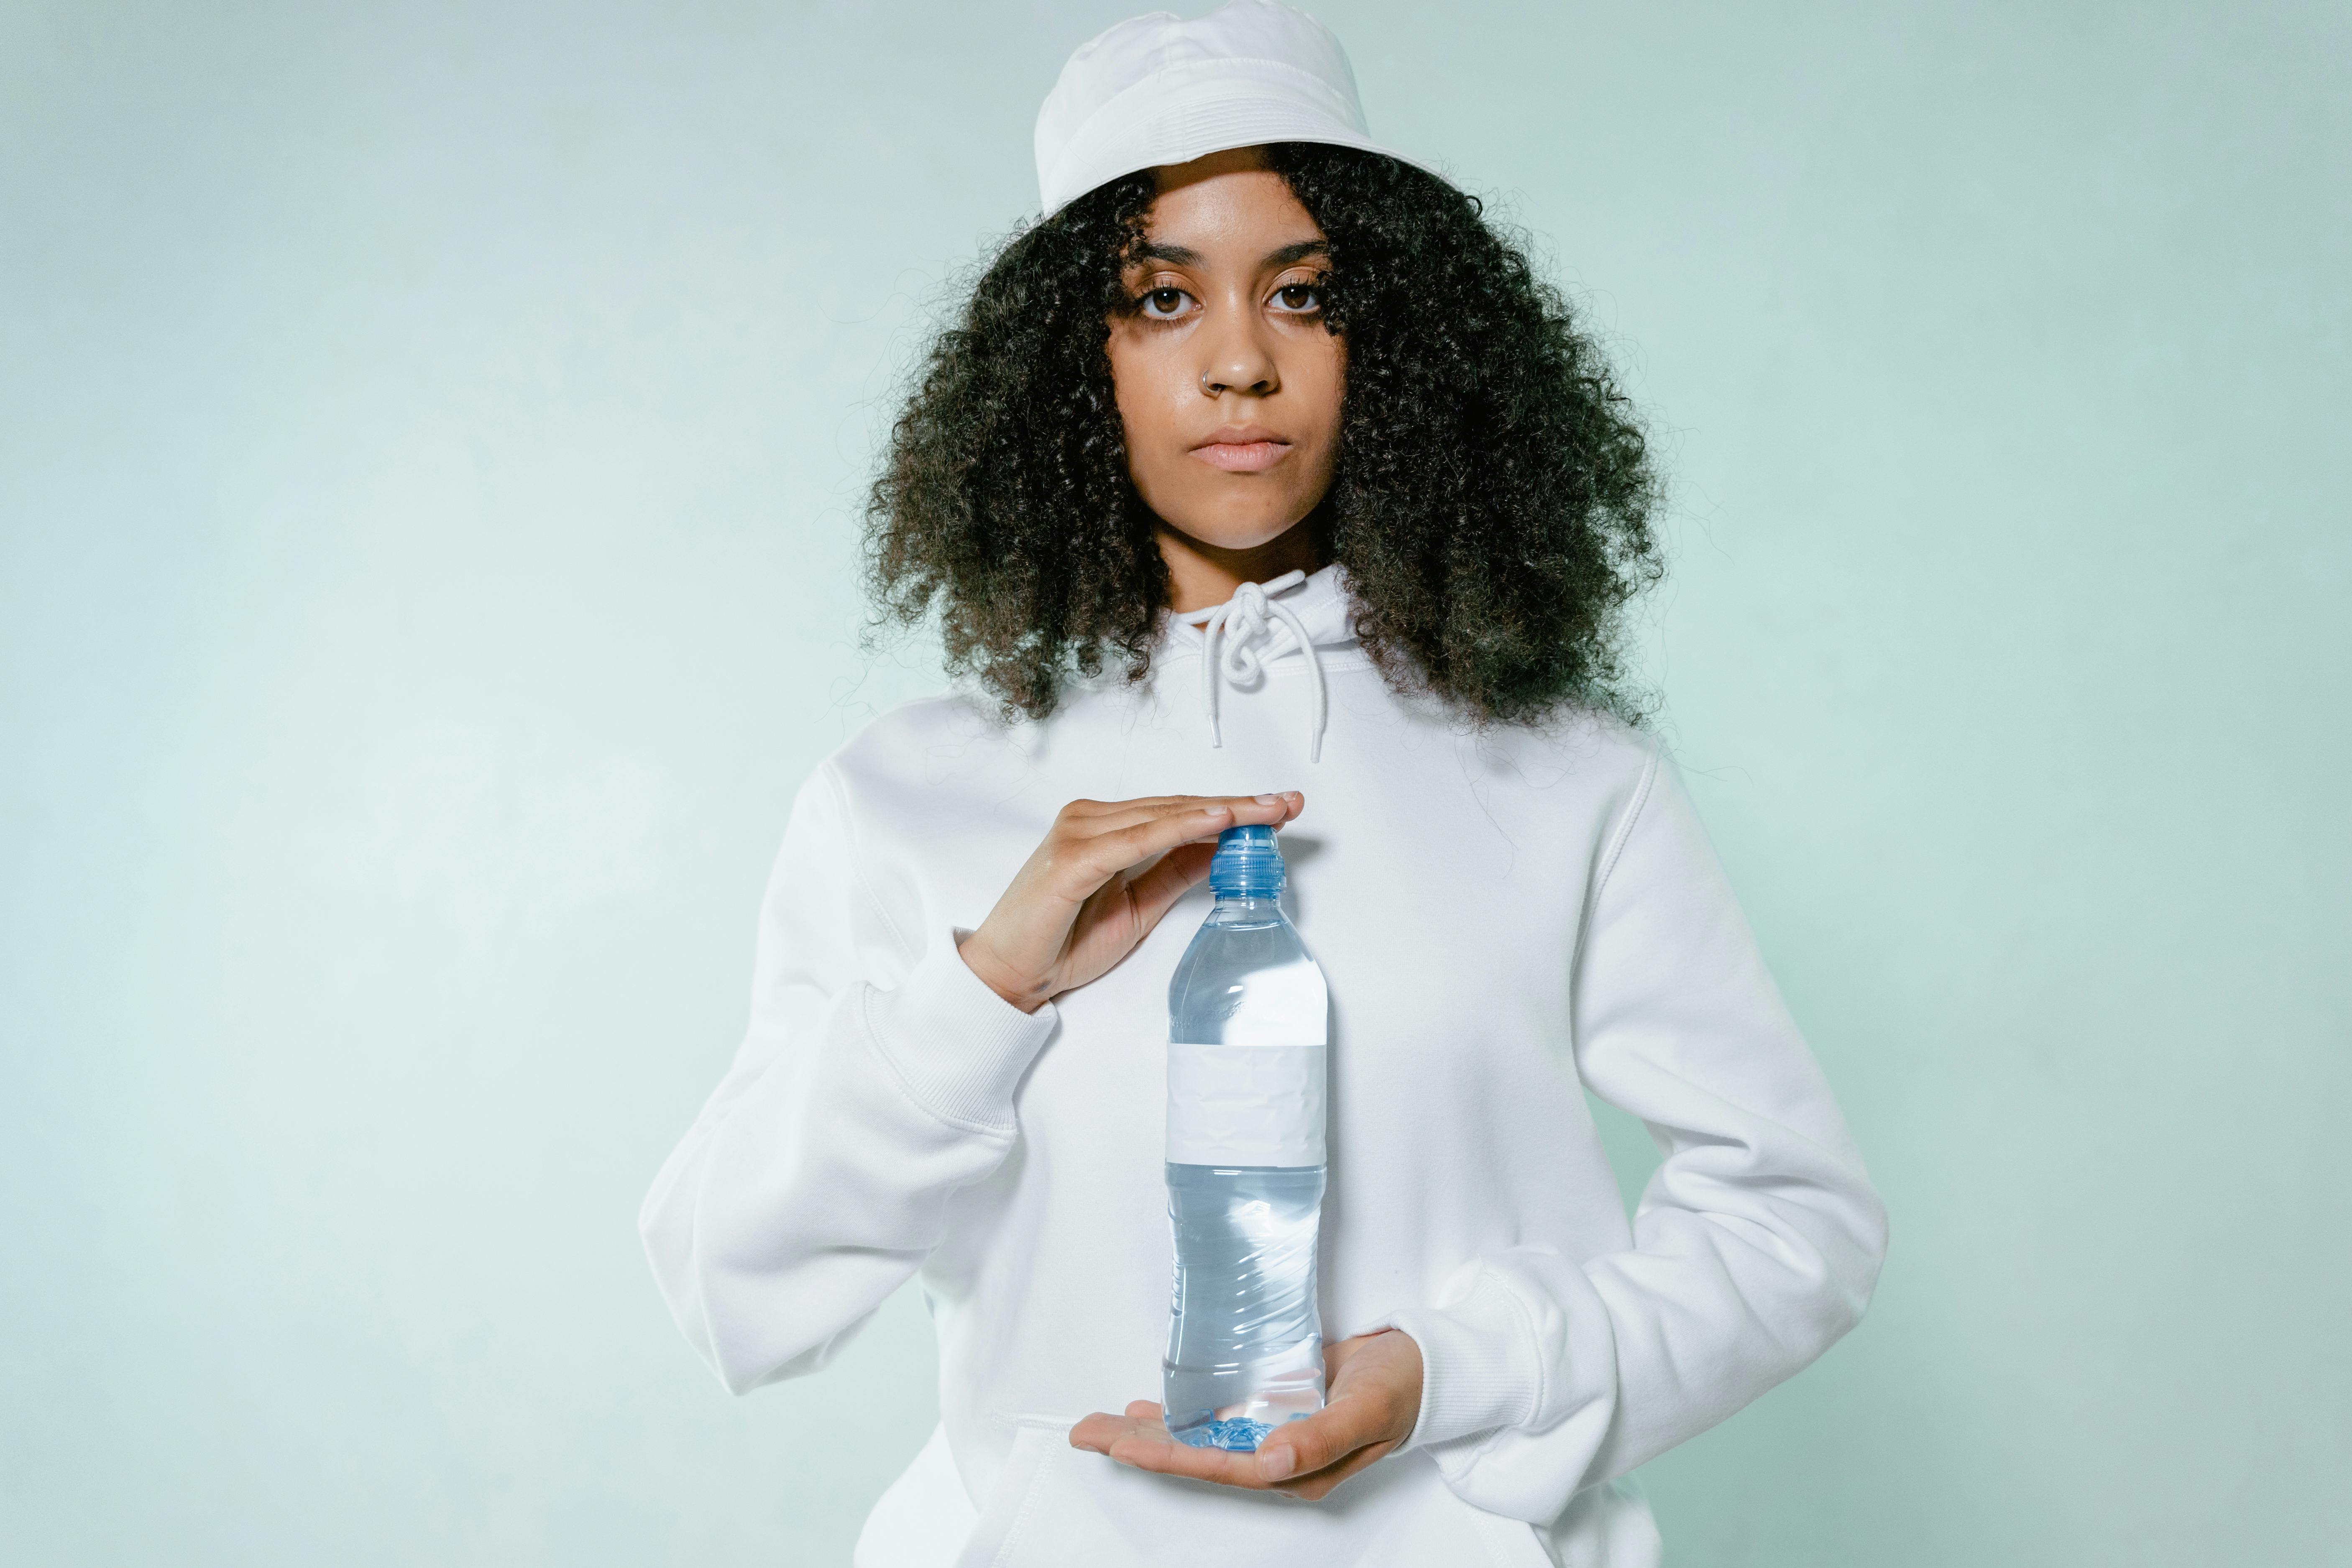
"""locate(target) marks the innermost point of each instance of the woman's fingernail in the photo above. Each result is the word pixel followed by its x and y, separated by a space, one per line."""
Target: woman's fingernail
pixel 1269 800
pixel 1275 1464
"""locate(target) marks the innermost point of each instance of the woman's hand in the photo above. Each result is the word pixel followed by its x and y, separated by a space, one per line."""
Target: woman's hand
pixel 1074 910
pixel 1375 1400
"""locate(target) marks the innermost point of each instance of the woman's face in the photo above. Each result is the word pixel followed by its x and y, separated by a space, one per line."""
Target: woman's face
pixel 1228 383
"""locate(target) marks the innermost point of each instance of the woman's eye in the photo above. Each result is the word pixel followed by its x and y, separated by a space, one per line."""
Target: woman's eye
pixel 1299 296
pixel 1164 302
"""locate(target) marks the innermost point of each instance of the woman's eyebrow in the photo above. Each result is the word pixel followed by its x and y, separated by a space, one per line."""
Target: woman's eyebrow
pixel 1185 256
pixel 1299 252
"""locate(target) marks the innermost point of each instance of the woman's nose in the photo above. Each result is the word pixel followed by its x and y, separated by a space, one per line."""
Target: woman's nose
pixel 1238 360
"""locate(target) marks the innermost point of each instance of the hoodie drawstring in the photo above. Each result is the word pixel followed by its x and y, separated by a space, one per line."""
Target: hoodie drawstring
pixel 1241 621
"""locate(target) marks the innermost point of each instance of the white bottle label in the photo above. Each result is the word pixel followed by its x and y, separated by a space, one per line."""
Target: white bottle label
pixel 1246 1105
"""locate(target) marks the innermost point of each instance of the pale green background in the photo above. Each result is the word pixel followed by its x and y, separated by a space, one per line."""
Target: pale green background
pixel 429 442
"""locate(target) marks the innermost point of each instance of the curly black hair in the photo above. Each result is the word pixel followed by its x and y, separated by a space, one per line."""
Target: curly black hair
pixel 1492 500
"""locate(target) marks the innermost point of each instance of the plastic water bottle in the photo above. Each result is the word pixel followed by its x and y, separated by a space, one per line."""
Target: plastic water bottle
pixel 1247 1015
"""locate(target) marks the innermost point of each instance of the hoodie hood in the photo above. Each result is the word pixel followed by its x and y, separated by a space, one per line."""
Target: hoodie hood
pixel 1299 616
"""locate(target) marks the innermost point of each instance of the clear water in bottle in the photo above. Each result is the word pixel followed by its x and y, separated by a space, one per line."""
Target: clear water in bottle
pixel 1246 1018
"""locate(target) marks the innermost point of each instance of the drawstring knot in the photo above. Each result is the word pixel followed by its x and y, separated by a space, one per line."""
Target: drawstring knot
pixel 1239 623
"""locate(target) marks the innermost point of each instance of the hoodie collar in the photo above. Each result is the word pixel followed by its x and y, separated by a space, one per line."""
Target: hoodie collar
pixel 1293 616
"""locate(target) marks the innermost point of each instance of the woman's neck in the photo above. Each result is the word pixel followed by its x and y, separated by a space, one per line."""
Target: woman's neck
pixel 1200 574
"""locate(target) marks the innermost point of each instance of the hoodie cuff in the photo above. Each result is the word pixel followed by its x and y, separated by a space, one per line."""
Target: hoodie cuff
pixel 957 1049
pixel 1479 1369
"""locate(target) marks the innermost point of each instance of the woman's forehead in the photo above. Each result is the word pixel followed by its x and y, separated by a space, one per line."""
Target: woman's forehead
pixel 1227 215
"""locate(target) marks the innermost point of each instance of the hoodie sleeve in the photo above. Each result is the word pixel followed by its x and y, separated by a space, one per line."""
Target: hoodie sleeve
pixel 867 1089
pixel 1756 1245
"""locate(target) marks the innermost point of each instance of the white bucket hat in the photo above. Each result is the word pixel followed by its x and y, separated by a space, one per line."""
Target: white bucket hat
pixel 1160 89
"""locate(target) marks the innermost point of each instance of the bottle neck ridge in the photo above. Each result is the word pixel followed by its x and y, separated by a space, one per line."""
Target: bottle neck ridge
pixel 1247 909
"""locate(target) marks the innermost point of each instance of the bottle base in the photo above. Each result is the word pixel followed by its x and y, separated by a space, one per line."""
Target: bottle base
pixel 1234 1407
pixel 1235 1434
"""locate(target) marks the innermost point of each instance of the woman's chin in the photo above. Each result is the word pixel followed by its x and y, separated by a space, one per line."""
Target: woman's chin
pixel 1224 535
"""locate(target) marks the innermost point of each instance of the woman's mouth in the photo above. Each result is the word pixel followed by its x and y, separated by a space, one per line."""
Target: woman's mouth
pixel 1244 449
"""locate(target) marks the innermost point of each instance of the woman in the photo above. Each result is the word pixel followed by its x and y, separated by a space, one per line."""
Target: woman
pixel 1254 383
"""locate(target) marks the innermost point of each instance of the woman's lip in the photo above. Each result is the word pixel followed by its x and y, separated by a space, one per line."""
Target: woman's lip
pixel 1241 457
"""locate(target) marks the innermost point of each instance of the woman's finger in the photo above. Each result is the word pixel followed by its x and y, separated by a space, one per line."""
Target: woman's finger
pixel 1156 889
pixel 1100 1431
pixel 1173 875
pixel 1150 1447
pixel 1273 808
pixel 1018 950
pixel 1145 840
pixel 1304 1446
pixel 1095 861
pixel 1141 1440
pixel 1090 809
pixel 1091 863
pixel 1092 853
pixel 1153 1450
pixel 1323 1482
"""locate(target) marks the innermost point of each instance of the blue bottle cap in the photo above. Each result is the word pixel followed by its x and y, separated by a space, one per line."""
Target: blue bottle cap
pixel 1248 864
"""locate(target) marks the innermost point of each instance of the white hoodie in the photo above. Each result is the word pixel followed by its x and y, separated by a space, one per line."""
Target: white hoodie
pixel 1502 918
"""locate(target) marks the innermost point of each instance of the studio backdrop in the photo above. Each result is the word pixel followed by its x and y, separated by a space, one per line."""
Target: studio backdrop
pixel 432 439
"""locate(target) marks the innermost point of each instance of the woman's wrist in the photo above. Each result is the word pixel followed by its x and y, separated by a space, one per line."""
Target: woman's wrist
pixel 980 959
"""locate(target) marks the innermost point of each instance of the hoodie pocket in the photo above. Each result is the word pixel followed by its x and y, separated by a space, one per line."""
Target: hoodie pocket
pixel 1057 1507
pixel 1008 1518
